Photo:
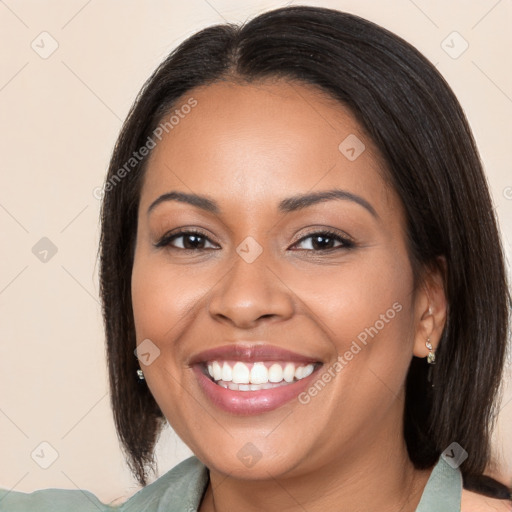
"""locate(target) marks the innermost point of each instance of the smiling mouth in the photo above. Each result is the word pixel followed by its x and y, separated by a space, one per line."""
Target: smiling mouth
pixel 246 376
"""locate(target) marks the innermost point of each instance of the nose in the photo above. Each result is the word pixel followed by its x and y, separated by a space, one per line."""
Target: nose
pixel 249 294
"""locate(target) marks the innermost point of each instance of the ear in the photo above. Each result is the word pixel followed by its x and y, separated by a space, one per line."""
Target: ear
pixel 431 308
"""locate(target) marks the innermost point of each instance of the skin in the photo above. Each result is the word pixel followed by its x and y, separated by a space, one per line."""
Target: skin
pixel 248 147
pixel 472 502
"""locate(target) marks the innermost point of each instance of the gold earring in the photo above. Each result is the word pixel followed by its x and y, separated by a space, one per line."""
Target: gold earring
pixel 431 358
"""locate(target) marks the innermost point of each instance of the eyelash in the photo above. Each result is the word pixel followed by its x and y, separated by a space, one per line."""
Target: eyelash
pixel 166 240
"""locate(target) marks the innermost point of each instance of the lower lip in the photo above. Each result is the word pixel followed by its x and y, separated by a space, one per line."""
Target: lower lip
pixel 250 402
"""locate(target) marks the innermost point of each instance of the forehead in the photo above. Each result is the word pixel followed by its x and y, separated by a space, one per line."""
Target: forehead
pixel 261 141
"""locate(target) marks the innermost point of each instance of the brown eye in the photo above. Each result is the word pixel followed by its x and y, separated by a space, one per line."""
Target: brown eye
pixel 191 241
pixel 325 240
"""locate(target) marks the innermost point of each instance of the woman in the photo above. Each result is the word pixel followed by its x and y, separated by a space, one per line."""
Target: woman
pixel 301 272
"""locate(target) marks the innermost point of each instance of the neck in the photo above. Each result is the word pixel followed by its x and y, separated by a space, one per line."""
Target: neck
pixel 379 477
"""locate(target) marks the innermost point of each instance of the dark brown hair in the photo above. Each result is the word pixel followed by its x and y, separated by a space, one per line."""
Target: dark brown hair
pixel 417 124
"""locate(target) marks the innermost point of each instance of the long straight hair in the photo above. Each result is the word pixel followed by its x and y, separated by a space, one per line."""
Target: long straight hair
pixel 422 134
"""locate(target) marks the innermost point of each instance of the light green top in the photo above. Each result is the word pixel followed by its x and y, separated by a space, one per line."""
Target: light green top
pixel 181 490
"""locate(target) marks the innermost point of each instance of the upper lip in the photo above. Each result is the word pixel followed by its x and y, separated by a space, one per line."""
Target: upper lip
pixel 250 353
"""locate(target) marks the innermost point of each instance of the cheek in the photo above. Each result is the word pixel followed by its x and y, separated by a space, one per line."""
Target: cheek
pixel 366 310
pixel 149 299
pixel 160 297
pixel 366 297
pixel 163 301
pixel 385 337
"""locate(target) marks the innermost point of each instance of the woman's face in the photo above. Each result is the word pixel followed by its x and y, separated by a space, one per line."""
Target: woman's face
pixel 262 278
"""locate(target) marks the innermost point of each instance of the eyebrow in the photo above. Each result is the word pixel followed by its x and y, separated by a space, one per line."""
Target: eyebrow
pixel 290 204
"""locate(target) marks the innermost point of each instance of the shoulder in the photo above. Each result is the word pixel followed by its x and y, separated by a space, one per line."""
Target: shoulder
pixel 473 502
pixel 184 482
pixel 51 500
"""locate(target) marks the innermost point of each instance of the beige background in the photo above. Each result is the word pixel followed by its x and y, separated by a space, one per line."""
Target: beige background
pixel 60 116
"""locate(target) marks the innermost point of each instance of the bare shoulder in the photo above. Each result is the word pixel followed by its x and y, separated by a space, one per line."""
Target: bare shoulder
pixel 473 502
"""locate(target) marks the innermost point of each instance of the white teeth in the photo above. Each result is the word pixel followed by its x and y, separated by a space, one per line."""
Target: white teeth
pixel 227 373
pixel 259 374
pixel 275 373
pixel 240 377
pixel 240 373
pixel 217 371
pixel 250 387
pixel 307 371
pixel 289 372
